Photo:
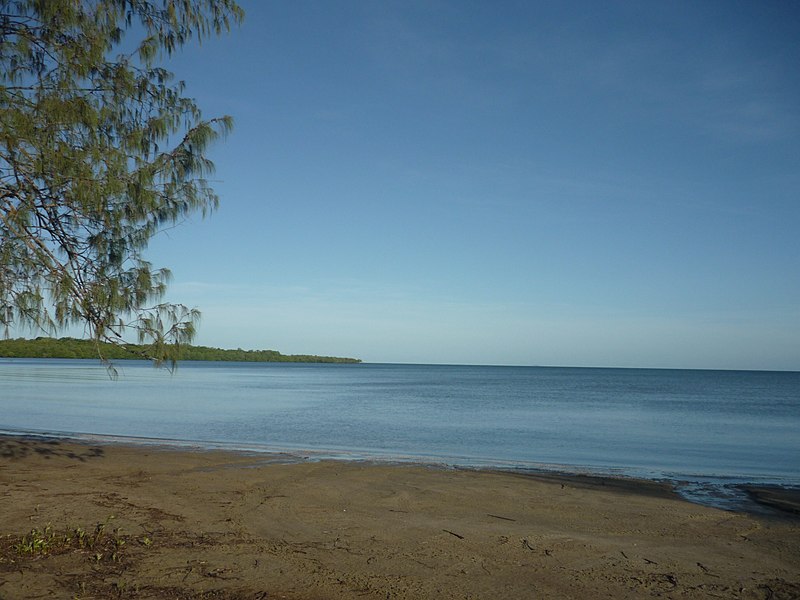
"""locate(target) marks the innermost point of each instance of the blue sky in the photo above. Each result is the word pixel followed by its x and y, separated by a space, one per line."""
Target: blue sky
pixel 539 183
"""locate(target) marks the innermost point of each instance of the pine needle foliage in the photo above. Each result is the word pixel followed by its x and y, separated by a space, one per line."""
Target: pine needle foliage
pixel 99 151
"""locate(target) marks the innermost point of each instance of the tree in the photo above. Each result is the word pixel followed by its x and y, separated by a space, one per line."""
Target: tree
pixel 99 151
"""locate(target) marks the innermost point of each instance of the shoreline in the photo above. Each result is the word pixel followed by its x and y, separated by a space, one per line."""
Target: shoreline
pixel 207 523
pixel 732 494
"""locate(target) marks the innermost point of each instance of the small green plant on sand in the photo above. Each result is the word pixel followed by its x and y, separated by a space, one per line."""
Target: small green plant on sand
pixel 102 543
pixel 38 542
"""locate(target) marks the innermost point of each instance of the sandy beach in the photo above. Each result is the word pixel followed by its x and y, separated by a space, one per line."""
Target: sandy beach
pixel 115 521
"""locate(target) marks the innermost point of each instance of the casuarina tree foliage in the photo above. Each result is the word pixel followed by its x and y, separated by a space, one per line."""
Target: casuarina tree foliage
pixel 99 151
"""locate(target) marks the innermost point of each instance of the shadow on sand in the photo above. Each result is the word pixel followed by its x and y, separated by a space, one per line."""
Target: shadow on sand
pixel 20 448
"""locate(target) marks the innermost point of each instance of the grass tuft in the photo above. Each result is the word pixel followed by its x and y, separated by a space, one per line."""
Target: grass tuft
pixel 101 543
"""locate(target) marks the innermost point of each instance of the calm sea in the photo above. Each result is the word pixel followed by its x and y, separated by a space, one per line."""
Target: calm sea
pixel 698 426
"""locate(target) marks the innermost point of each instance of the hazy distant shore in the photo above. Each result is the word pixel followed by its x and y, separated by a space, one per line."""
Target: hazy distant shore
pixel 239 525
pixel 66 347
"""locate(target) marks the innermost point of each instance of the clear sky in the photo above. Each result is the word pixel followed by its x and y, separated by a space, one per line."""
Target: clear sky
pixel 539 183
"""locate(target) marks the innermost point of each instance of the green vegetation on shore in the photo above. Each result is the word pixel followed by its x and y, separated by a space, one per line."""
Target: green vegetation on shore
pixel 45 347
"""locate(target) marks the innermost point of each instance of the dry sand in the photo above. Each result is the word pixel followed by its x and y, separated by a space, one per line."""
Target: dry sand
pixel 186 524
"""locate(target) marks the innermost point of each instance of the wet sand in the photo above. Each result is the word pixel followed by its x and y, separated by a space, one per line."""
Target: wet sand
pixel 208 524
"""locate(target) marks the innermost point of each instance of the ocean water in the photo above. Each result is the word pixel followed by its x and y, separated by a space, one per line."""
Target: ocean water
pixel 682 425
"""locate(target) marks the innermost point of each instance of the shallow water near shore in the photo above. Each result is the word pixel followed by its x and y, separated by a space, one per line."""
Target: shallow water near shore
pixel 711 430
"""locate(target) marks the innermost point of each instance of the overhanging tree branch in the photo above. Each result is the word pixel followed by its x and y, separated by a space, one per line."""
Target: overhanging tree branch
pixel 89 169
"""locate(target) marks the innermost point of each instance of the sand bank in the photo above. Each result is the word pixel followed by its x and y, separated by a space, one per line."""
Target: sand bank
pixel 183 524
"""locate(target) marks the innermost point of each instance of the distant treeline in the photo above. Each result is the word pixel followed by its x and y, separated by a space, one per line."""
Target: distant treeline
pixel 44 347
